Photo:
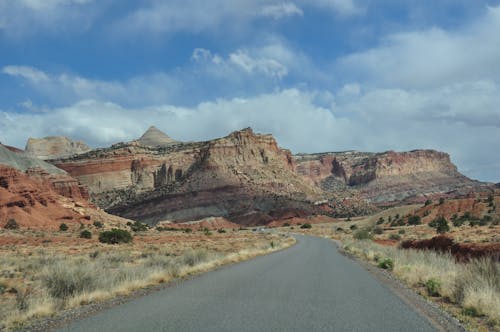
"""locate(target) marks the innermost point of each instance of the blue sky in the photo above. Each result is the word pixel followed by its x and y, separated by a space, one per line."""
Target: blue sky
pixel 321 75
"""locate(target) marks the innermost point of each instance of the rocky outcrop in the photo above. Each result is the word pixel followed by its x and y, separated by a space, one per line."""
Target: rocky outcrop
pixel 210 223
pixel 232 176
pixel 34 203
pixel 384 177
pixel 54 147
pixel 58 179
pixel 153 137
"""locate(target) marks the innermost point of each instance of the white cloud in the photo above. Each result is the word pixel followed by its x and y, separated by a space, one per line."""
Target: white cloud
pixel 342 7
pixel 29 73
pixel 68 88
pixel 431 57
pixel 25 17
pixel 281 10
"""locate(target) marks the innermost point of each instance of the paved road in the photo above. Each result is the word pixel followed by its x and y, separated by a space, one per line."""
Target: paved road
pixel 309 287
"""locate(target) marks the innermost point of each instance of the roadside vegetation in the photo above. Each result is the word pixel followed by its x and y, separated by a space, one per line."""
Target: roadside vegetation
pixel 469 289
pixel 41 281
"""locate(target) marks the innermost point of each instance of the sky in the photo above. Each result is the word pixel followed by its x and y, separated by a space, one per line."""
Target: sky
pixel 320 75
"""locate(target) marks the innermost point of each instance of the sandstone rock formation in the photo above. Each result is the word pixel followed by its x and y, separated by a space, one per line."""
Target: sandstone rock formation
pixel 153 137
pixel 248 179
pixel 241 175
pixel 210 223
pixel 54 147
pixel 385 177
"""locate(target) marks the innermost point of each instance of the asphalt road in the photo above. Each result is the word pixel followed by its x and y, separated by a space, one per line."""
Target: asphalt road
pixel 309 287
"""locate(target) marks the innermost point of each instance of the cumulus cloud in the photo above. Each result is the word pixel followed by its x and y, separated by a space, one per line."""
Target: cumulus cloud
pixel 431 57
pixel 281 10
pixel 25 17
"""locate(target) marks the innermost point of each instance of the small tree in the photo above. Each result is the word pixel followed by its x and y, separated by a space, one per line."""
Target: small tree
pixel 414 220
pixel 11 224
pixel 380 221
pixel 440 224
pixel 441 201
pixel 85 234
pixel 63 227
pixel 428 202
pixel 115 236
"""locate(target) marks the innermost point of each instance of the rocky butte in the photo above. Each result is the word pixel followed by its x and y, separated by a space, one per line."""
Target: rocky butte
pixel 248 179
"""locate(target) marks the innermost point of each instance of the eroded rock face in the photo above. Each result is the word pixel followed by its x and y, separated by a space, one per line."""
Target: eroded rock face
pixel 54 147
pixel 230 176
pixel 153 137
pixel 384 177
pixel 33 200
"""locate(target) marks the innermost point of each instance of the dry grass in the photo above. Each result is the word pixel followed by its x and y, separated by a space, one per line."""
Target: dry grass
pixel 473 287
pixel 37 282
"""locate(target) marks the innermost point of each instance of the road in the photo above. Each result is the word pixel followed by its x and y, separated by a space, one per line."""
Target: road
pixel 309 287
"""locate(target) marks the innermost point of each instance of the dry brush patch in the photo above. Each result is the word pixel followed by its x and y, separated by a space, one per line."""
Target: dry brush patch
pixel 470 291
pixel 40 281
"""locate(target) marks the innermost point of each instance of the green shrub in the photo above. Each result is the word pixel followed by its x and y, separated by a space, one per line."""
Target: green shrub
pixel 286 225
pixel 138 226
pixel 414 220
pixel 98 224
pixel 362 234
pixel 340 229
pixel 440 224
pixel 457 222
pixel 386 264
pixel 441 201
pixel 353 227
pixel 306 226
pixel 221 230
pixel 378 230
pixel 401 231
pixel 63 227
pixel 433 287
pixel 193 257
pixel 471 311
pixel 11 224
pixel 428 202
pixel 380 221
pixel 395 237
pixel 85 234
pixel 115 236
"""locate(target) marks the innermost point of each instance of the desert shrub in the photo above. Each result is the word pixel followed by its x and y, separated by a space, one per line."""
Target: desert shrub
pixel 433 287
pixel 471 311
pixel 85 234
pixel 207 233
pixel 414 220
pixel 193 257
pixel 378 230
pixel 98 224
pixel 353 227
pixel 440 224
pixel 188 230
pixel 441 201
pixel 395 237
pixel 286 225
pixel 63 281
pixel 386 264
pixel 11 224
pixel 340 229
pixel 401 231
pixel 306 226
pixel 457 222
pixel 63 227
pixel 115 236
pixel 426 213
pixel 221 230
pixel 362 234
pixel 428 202
pixel 380 221
pixel 138 226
